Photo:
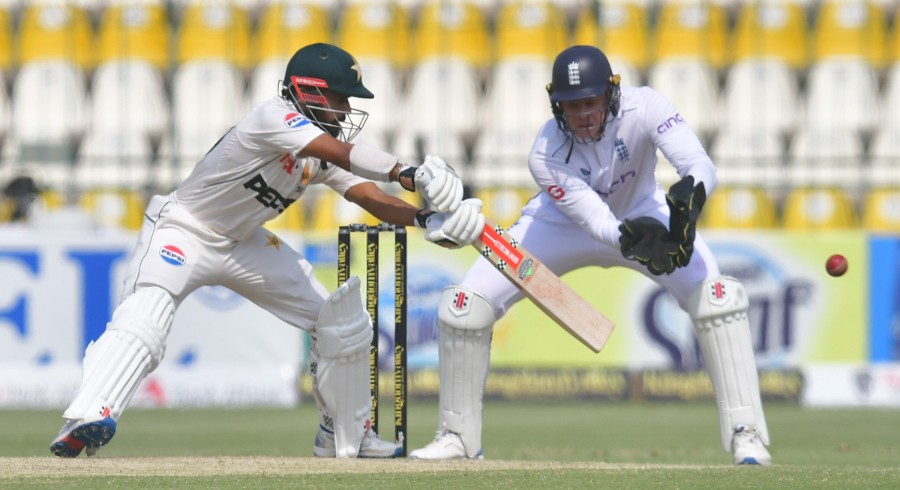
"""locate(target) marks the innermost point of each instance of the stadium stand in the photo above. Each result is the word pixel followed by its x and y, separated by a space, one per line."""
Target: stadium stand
pixel 620 30
pixel 527 38
pixel 739 208
pixel 442 101
pixel 881 210
pixel 817 209
pixel 377 34
pixel 786 94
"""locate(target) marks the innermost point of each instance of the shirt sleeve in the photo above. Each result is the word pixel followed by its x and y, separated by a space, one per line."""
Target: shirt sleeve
pixel 570 193
pixel 674 137
pixel 273 127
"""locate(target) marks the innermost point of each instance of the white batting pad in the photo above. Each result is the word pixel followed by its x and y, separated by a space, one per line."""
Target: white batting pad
pixel 465 322
pixel 341 377
pixel 132 346
pixel 719 308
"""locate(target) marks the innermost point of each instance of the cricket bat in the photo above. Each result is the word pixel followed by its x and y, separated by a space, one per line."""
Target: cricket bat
pixel 544 288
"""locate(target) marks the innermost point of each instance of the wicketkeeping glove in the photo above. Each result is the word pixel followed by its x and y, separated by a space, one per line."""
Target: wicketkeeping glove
pixel 453 230
pixel 647 241
pixel 685 201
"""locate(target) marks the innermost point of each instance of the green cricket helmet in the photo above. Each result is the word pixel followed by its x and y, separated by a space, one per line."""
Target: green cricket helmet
pixel 319 67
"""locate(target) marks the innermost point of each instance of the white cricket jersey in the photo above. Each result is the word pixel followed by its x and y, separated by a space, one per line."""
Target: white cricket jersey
pixel 253 173
pixel 603 182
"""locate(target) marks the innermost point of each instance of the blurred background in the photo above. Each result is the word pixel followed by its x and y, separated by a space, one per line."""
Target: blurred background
pixel 103 103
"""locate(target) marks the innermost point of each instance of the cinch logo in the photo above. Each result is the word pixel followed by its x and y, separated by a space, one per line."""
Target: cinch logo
pixel 172 255
pixel 670 123
pixel 294 120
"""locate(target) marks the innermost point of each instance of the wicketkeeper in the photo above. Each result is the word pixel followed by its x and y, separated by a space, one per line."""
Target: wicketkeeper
pixel 209 232
pixel 601 205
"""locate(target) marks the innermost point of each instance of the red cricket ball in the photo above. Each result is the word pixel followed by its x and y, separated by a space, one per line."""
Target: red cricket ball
pixel 836 265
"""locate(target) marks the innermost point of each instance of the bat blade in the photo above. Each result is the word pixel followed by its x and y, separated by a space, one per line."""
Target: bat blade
pixel 544 288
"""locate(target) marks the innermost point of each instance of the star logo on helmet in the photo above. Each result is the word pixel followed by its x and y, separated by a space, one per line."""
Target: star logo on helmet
pixel 355 68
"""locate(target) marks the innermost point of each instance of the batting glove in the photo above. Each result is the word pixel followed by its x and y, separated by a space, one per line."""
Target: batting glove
pixel 457 229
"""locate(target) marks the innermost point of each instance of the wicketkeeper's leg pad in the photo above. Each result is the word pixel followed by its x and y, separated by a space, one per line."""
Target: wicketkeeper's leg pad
pixel 340 367
pixel 465 321
pixel 719 308
pixel 132 346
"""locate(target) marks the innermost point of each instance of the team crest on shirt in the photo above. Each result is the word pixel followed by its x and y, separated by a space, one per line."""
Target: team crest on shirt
pixel 295 120
pixel 172 254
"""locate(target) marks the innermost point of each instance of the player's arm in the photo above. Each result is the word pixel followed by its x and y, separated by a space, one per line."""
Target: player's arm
pixel 682 148
pixel 452 230
pixel 443 191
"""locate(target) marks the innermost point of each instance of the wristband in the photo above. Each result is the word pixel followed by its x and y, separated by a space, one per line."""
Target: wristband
pixel 371 163
pixel 422 217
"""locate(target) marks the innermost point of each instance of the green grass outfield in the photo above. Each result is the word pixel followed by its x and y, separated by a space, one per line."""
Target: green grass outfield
pixel 555 445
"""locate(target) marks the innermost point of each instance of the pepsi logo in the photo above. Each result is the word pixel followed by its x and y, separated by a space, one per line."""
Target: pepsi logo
pixel 294 120
pixel 172 255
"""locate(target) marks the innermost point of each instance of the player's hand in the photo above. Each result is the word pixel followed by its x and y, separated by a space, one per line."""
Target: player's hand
pixel 685 201
pixel 439 184
pixel 647 241
pixel 457 229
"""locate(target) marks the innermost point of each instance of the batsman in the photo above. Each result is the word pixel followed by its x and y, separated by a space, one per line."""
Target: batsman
pixel 209 231
pixel 601 205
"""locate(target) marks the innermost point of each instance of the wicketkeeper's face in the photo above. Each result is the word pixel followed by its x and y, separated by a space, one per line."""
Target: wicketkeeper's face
pixel 586 117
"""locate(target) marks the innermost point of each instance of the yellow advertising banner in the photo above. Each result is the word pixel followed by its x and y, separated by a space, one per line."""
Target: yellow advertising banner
pixel 799 314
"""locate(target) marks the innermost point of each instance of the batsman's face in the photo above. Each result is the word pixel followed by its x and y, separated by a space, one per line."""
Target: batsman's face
pixel 586 117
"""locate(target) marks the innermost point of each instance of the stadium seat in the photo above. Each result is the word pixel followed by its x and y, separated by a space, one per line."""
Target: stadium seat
pixel 375 31
pixel 692 30
pixel 508 125
pixel 692 85
pixel 739 207
pixel 620 30
pixel 135 31
pixel 771 30
pixel 884 153
pixel 207 99
pixel 530 29
pixel 49 117
pixel 381 77
pixel 761 94
pixel 748 156
pixel 286 27
pixel 129 96
pixel 441 110
pixel 377 35
pixel 265 80
pixel 825 157
pixel 881 210
pixel 821 208
pixel 845 29
pixel 457 30
pixel 114 208
pixel 55 31
pixel 5 110
pixel 6 40
pixel 113 160
pixel 890 99
pixel 842 94
pixel 214 31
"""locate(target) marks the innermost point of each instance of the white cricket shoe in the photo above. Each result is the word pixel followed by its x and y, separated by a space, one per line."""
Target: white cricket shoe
pixel 748 447
pixel 446 445
pixel 371 447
